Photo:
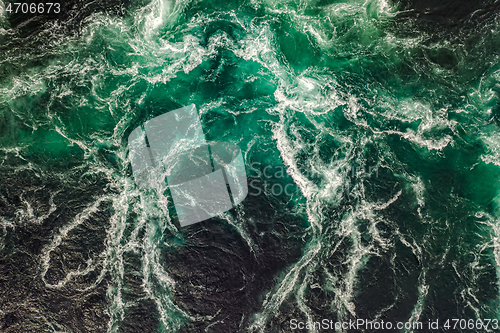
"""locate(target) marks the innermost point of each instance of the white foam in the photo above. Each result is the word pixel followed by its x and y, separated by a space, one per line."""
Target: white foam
pixel 61 235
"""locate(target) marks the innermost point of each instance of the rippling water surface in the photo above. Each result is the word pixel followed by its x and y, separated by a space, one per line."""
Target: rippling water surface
pixel 384 119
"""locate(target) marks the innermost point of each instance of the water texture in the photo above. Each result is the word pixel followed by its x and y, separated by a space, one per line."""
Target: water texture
pixel 382 118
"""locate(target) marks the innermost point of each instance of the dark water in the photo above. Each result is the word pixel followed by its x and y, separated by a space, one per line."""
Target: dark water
pixel 379 119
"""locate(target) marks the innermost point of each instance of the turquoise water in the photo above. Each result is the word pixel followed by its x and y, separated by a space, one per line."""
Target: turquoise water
pixel 386 127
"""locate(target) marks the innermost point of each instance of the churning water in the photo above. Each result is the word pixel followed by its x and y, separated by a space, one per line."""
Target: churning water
pixel 386 124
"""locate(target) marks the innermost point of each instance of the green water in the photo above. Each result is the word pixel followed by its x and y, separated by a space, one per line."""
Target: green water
pixel 388 130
